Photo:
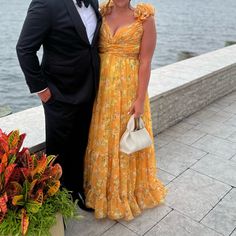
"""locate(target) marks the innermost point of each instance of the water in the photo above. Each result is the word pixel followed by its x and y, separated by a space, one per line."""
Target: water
pixel 197 26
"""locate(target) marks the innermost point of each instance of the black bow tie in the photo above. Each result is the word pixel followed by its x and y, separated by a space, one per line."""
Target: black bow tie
pixel 86 3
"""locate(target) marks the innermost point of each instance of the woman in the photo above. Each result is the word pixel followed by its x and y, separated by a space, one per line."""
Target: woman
pixel 119 185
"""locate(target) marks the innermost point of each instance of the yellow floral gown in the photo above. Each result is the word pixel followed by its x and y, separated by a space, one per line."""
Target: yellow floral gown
pixel 119 185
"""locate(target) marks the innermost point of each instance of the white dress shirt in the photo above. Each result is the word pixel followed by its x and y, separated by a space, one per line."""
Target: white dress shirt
pixel 89 19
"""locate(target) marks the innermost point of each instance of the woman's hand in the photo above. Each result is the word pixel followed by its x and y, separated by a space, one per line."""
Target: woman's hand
pixel 137 108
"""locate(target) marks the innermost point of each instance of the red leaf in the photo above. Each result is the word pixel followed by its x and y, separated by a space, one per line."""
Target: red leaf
pixel 3 203
pixel 8 172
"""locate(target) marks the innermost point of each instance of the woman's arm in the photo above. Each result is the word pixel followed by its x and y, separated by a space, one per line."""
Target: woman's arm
pixel 147 48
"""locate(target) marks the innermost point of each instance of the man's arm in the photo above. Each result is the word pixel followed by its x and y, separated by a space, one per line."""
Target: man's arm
pixel 36 27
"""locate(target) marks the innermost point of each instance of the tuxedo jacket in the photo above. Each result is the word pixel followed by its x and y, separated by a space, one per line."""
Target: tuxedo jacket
pixel 70 64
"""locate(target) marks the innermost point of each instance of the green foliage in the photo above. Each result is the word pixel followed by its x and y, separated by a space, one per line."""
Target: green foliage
pixel 30 195
pixel 44 219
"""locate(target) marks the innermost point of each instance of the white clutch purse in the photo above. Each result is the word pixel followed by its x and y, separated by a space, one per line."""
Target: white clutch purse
pixel 136 137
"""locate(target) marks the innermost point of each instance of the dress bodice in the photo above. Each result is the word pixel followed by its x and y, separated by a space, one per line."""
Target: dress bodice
pixel 126 40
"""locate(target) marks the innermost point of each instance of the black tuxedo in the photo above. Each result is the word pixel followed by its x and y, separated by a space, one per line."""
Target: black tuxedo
pixel 70 69
pixel 70 65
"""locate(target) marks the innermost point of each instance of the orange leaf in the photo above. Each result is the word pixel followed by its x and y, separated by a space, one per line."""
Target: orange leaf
pixel 39 196
pixel 24 222
pixel 53 187
pixel 8 172
pixel 4 159
pixel 41 166
pixel 56 171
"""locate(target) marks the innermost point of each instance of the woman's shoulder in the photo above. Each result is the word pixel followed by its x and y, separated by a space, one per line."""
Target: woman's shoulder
pixel 144 10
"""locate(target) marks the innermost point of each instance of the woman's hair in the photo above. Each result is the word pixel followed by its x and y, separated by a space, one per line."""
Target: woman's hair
pixel 106 7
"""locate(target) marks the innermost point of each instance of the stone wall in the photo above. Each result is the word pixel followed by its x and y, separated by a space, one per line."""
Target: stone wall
pixel 193 84
pixel 176 91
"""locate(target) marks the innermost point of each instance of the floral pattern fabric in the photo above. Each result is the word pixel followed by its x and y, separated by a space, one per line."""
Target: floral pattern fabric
pixel 119 185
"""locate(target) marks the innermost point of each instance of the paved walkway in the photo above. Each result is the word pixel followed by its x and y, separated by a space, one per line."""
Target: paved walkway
pixel 197 162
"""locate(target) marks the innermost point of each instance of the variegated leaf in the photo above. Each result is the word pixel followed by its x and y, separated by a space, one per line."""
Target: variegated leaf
pixel 13 189
pixel 20 142
pixel 53 187
pixel 18 200
pixel 8 172
pixel 3 203
pixel 33 206
pixel 13 138
pixel 24 222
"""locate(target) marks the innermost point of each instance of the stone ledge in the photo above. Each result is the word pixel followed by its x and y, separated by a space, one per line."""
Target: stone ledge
pixel 31 122
pixel 180 89
pixel 176 91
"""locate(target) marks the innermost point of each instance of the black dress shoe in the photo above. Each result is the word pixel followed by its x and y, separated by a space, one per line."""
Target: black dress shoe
pixel 81 201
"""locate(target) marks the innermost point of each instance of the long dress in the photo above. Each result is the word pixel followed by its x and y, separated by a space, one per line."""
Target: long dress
pixel 119 185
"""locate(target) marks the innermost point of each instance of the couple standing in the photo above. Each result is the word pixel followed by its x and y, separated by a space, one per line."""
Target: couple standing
pixel 86 116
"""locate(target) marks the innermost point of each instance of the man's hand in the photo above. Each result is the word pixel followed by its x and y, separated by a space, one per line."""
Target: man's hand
pixel 45 95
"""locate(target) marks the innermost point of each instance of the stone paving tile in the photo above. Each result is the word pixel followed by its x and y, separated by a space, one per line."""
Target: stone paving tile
pixel 147 219
pixel 231 96
pixel 233 158
pixel 217 168
pixel 162 139
pixel 176 157
pixel 232 137
pixel 175 224
pixel 216 128
pixel 195 194
pixel 231 108
pixel 190 136
pixel 231 121
pixel 199 116
pixel 88 225
pixel 178 129
pixel 164 176
pixel 223 217
pixel 217 146
pixel 220 116
pixel 225 101
pixel 118 230
pixel 215 107
pixel 234 233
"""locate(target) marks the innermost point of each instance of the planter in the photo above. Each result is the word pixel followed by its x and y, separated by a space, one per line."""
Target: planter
pixel 58 228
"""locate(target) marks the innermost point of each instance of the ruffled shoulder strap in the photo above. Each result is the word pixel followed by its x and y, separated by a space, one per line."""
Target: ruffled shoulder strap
pixel 143 11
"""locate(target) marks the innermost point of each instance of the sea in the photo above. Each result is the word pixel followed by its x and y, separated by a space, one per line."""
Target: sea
pixel 192 26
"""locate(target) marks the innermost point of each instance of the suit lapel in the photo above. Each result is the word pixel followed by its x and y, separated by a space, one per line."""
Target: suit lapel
pixel 76 19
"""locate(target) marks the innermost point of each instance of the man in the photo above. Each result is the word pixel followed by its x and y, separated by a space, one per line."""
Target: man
pixel 67 78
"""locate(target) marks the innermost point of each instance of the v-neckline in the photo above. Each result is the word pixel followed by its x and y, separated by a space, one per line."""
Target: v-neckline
pixel 113 34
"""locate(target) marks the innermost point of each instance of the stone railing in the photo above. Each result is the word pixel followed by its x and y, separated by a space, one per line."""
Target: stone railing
pixel 182 88
pixel 176 91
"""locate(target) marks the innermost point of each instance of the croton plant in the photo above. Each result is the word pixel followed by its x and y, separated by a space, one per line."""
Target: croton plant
pixel 28 183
